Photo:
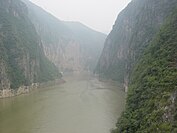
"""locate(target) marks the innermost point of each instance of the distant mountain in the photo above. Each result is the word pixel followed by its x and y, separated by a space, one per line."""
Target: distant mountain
pixel 31 39
pixel 91 43
pixel 22 60
pixel 71 46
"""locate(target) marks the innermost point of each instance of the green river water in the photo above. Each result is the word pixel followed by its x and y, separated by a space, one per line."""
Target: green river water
pixel 81 105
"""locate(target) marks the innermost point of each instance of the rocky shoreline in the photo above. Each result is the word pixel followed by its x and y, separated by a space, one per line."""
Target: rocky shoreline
pixel 7 93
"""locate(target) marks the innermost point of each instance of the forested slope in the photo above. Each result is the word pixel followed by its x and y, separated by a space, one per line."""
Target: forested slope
pixel 152 97
pixel 132 32
pixel 22 60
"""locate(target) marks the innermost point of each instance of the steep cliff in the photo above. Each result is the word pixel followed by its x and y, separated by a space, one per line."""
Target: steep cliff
pixel 91 43
pixel 67 44
pixel 134 28
pixel 141 52
pixel 22 60
pixel 152 97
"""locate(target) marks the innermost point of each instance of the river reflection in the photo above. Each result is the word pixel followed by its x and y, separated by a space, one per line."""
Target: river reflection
pixel 81 105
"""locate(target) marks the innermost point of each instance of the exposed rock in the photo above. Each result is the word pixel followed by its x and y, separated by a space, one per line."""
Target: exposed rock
pixel 5 93
pixel 170 110
pixel 71 46
pixel 152 96
pixel 134 28
pixel 66 56
pixel 22 59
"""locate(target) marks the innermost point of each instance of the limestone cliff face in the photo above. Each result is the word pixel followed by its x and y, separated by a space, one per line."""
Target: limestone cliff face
pixel 152 98
pixel 65 55
pixel 69 45
pixel 22 60
pixel 133 30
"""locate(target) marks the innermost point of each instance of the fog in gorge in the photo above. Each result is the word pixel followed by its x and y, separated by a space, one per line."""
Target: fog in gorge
pixel 97 14
pixel 47 63
pixel 88 66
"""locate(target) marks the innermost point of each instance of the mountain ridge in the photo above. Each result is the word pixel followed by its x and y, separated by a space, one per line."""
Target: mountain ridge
pixel 74 37
pixel 152 92
pixel 22 58
pixel 133 30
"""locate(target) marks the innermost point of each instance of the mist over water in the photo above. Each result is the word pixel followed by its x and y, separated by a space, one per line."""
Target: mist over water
pixel 82 105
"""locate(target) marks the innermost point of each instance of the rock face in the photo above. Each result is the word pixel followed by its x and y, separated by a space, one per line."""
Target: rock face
pixel 5 93
pixel 71 46
pixel 134 28
pixel 152 95
pixel 31 39
pixel 67 59
pixel 22 60
pixel 141 52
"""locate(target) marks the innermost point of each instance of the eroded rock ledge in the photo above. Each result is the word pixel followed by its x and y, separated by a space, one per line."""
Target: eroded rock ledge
pixel 6 93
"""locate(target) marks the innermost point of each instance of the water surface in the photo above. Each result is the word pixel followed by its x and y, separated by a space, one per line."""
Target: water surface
pixel 81 105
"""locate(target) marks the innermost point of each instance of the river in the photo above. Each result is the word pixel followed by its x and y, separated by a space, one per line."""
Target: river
pixel 81 105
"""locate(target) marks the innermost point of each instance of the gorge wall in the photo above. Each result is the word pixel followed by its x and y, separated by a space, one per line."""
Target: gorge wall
pixel 71 46
pixel 22 60
pixel 34 46
pixel 141 52
pixel 134 28
pixel 152 96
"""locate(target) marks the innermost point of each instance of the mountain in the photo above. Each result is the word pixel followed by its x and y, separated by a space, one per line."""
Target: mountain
pixel 132 32
pixel 34 45
pixel 71 46
pixel 141 52
pixel 91 43
pixel 22 60
pixel 152 98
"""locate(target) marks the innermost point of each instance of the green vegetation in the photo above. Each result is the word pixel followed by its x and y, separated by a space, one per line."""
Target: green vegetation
pixel 152 97
pixel 132 32
pixel 115 72
pixel 48 71
pixel 20 47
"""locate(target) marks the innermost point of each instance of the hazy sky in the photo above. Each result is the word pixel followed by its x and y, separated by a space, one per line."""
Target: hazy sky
pixel 97 14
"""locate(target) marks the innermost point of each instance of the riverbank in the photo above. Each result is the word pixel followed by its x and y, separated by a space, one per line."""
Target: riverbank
pixel 7 93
